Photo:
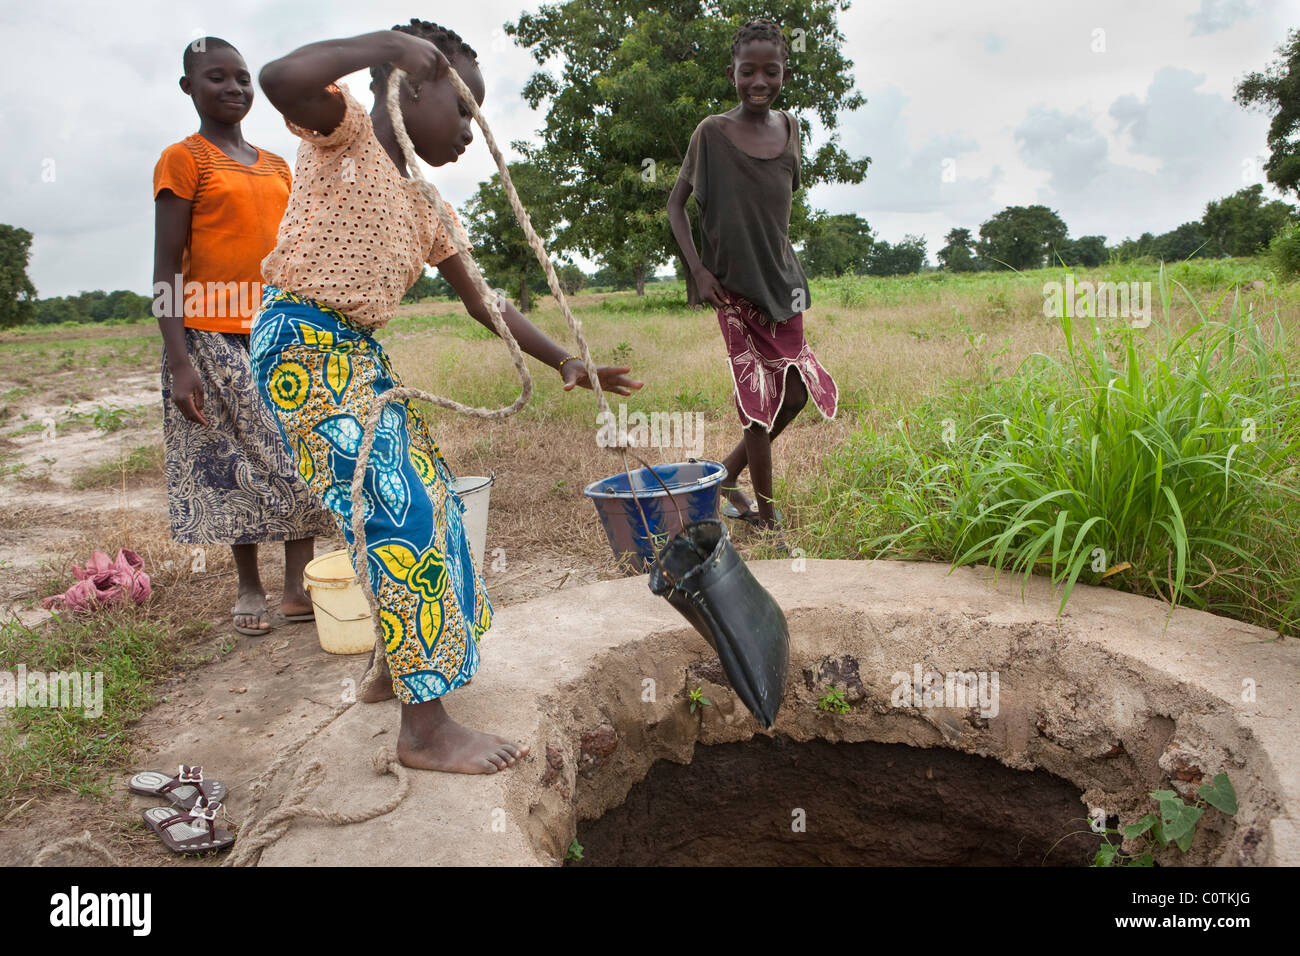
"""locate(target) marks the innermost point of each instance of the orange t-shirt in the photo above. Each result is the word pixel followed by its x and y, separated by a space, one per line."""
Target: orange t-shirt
pixel 233 225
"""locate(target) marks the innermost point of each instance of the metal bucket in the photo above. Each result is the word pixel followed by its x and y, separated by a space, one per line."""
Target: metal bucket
pixel 475 491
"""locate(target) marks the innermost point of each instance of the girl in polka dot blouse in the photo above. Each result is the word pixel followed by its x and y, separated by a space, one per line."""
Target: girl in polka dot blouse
pixel 355 236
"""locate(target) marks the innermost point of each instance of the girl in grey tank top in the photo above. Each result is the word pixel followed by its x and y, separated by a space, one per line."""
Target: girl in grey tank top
pixel 742 166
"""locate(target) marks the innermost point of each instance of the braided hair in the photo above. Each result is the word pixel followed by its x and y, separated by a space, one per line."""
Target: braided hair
pixel 198 47
pixel 446 40
pixel 760 29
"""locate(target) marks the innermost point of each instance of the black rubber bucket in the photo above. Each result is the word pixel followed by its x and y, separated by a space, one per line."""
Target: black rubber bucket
pixel 700 574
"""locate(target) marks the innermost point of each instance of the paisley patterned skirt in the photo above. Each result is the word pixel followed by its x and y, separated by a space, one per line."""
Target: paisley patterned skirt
pixel 231 481
pixel 321 375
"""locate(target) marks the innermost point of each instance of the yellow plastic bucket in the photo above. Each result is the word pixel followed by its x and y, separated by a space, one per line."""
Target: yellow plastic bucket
pixel 343 621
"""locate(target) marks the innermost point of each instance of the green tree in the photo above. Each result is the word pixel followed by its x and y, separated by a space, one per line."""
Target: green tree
pixel 1020 237
pixel 1277 91
pixel 636 78
pixel 500 248
pixel 1086 251
pixel 959 253
pixel 1185 242
pixel 1242 224
pixel 1144 245
pixel 429 287
pixel 608 277
pixel 838 245
pixel 17 294
pixel 572 279
pixel 906 257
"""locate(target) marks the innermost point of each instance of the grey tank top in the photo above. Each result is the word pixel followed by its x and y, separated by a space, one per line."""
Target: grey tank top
pixel 745 218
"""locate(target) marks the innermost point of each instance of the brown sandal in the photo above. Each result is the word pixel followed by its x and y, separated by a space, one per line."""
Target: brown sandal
pixel 182 789
pixel 192 832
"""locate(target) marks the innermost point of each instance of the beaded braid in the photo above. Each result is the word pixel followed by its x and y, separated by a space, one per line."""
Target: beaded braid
pixel 445 39
pixel 760 29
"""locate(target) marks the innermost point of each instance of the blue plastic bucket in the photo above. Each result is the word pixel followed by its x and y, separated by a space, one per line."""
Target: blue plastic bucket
pixel 696 487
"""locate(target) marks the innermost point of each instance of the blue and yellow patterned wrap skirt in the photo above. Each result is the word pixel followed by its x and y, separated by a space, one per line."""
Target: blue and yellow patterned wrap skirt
pixel 321 376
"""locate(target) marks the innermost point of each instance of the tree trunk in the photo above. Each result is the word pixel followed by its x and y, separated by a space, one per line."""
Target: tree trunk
pixel 523 296
pixel 638 270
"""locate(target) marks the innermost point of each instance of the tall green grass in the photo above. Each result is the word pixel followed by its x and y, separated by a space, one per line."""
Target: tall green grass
pixel 1158 462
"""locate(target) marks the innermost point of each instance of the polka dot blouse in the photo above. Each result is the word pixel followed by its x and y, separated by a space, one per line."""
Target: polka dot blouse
pixel 356 233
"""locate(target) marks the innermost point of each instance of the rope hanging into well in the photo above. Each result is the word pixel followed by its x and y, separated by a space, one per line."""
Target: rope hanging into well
pixel 378 670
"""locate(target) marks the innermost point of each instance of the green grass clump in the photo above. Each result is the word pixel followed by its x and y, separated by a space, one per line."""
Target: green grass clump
pixel 1161 463
pixel 138 461
pixel 62 747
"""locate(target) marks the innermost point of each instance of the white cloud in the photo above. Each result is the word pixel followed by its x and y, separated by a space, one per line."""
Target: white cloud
pixel 1216 15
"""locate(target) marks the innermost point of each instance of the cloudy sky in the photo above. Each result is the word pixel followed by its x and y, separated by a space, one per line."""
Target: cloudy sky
pixel 1117 114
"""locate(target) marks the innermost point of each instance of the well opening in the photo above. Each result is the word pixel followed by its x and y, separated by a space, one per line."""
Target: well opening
pixel 1076 733
pixel 775 801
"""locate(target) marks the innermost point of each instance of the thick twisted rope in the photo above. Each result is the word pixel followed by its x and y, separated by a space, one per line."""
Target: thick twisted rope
pixel 86 843
pixel 248 851
pixel 377 673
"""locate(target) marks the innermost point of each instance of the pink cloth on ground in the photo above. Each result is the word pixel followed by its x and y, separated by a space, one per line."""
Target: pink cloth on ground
pixel 759 352
pixel 102 582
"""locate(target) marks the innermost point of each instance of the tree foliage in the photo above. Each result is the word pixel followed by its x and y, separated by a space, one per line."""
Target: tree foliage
pixel 1087 251
pixel 507 261
pixel 96 306
pixel 839 245
pixel 1242 224
pixel 1021 237
pixel 1277 90
pixel 958 255
pixel 429 287
pixel 903 258
pixel 17 294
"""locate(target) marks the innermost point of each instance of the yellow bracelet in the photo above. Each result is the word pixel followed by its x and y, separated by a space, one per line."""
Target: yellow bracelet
pixel 571 358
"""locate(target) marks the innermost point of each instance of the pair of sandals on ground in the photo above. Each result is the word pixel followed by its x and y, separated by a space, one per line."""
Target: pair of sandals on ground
pixel 751 517
pixel 190 824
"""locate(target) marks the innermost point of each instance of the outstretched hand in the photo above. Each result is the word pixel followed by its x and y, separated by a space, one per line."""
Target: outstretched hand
pixel 612 378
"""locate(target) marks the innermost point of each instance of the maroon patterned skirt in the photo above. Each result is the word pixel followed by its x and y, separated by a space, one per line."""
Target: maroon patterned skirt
pixel 759 352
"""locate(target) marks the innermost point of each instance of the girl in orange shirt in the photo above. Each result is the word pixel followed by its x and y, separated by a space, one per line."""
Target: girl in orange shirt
pixel 218 203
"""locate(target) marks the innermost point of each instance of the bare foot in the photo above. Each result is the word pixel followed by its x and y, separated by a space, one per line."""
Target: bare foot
pixel 249 613
pixel 430 740
pixel 377 684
